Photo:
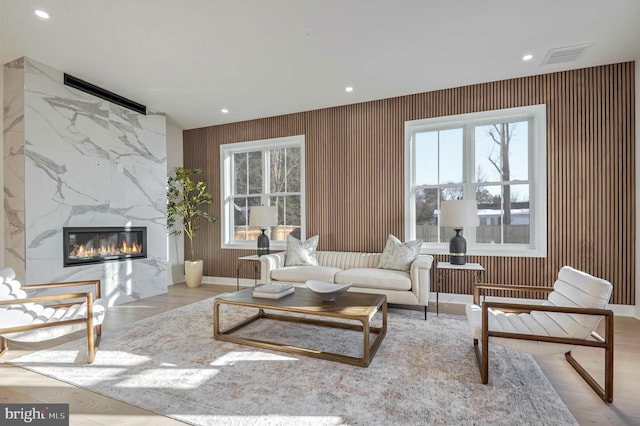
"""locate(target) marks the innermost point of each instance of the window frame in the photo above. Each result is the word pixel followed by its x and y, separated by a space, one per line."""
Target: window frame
pixel 226 184
pixel 536 115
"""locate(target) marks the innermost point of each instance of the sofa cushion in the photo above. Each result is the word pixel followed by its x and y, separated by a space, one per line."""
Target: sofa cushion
pixel 11 289
pixel 300 274
pixel 301 252
pixel 374 278
pixel 399 255
pixel 514 323
pixel 347 259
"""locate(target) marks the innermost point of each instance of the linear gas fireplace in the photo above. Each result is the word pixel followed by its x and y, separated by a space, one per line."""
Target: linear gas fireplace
pixel 84 245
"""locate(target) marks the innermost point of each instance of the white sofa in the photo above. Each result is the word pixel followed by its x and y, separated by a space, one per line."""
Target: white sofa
pixel 359 269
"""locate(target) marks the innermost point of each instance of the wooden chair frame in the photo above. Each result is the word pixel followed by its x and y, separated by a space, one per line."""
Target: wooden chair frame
pixel 93 333
pixel 605 343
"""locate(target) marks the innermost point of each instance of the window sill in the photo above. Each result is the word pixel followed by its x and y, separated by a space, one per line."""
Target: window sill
pixel 252 245
pixel 501 251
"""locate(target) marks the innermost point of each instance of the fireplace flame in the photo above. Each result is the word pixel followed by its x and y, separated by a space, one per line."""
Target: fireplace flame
pixel 110 250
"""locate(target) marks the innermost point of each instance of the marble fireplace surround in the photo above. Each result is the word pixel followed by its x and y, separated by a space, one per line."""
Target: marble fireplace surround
pixel 74 160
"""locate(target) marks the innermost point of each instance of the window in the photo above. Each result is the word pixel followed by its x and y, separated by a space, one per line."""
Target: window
pixel 266 172
pixel 498 158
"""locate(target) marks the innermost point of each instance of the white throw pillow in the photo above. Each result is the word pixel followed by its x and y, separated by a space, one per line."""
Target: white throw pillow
pixel 301 253
pixel 398 255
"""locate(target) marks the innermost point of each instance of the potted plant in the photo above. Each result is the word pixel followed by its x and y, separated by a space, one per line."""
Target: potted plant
pixel 185 199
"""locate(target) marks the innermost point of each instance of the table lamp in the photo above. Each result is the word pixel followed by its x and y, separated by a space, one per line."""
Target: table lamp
pixel 263 217
pixel 458 214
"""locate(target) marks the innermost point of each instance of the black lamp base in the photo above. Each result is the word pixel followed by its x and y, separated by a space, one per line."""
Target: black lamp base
pixel 263 244
pixel 458 249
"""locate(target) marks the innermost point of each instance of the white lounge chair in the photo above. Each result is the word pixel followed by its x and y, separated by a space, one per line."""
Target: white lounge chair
pixel 568 318
pixel 35 319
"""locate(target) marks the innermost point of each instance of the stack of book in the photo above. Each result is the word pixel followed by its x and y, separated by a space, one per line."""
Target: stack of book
pixel 273 290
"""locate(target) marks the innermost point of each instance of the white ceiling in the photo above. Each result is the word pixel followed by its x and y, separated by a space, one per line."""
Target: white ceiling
pixel 261 58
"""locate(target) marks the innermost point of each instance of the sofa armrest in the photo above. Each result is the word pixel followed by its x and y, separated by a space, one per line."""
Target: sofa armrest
pixel 422 261
pixel 420 273
pixel 269 262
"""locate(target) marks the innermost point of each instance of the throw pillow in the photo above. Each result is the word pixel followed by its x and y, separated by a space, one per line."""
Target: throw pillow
pixel 398 255
pixel 301 253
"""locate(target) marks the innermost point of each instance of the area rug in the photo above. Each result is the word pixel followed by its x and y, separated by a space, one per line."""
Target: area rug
pixel 424 373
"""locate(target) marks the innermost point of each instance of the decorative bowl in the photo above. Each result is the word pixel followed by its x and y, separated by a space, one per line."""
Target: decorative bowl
pixel 327 291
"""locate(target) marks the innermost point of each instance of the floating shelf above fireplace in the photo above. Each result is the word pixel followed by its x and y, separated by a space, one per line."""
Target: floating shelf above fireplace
pixel 87 245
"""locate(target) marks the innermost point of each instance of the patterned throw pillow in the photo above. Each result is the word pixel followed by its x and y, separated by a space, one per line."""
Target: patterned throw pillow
pixel 301 253
pixel 398 255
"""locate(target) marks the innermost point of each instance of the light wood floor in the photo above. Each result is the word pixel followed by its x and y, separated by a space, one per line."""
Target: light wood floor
pixel 87 408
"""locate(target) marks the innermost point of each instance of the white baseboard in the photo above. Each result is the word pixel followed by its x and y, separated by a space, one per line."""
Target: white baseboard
pixel 244 282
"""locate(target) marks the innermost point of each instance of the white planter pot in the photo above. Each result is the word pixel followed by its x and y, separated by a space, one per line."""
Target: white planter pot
pixel 193 272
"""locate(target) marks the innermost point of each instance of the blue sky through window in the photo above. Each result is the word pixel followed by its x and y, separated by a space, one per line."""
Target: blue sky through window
pixel 445 146
pixel 440 161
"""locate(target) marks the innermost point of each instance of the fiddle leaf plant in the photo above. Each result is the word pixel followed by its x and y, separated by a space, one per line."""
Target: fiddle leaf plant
pixel 185 200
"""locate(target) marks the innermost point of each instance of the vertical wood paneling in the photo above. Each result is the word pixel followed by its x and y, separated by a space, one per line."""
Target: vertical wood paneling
pixel 355 172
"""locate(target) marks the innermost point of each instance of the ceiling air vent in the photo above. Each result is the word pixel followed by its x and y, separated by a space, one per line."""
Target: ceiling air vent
pixel 564 54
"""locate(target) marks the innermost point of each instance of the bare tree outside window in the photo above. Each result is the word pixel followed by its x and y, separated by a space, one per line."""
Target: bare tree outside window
pixel 439 177
pixel 498 157
pixel 502 176
pixel 277 185
pixel 500 134
pixel 285 190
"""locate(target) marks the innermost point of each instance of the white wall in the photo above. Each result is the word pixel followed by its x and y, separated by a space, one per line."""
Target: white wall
pixel 175 242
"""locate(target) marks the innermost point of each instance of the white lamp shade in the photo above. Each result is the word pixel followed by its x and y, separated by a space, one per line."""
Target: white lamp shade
pixel 263 216
pixel 458 213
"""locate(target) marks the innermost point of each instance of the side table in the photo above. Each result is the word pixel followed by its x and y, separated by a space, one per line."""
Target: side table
pixel 444 269
pixel 243 260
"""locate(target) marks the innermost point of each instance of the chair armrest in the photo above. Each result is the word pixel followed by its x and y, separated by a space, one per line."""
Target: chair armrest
pixel 600 342
pixel 269 262
pixel 87 295
pixel 506 287
pixel 88 319
pixel 520 307
pixel 95 283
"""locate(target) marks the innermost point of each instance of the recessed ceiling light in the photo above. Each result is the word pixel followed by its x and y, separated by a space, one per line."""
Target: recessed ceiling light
pixel 41 14
pixel 348 89
pixel 527 57
pixel 224 110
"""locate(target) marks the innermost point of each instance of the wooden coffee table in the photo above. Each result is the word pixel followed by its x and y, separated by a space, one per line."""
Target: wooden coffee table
pixel 353 307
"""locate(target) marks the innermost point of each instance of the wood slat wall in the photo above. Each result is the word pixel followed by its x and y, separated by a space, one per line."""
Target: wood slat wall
pixel 355 172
